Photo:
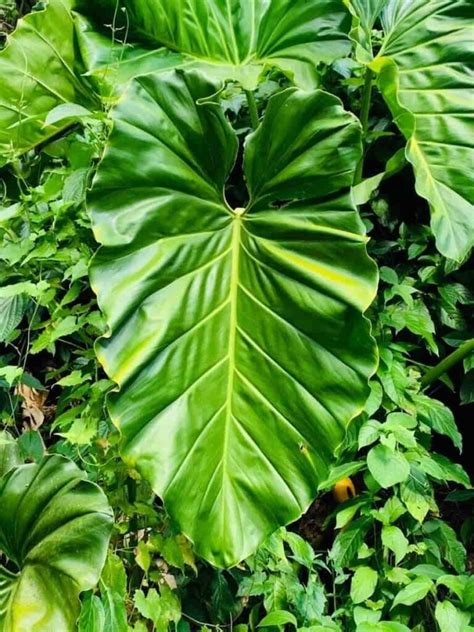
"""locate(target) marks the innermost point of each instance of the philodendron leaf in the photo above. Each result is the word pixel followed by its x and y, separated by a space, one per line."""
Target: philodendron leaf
pixel 365 14
pixel 54 529
pixel 237 335
pixel 230 39
pixel 424 76
pixel 40 69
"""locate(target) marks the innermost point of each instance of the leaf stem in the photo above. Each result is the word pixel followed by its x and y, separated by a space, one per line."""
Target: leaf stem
pixel 252 108
pixel 447 363
pixel 364 119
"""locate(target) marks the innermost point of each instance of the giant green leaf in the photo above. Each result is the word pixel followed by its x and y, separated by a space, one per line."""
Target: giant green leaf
pixel 425 75
pixel 237 335
pixel 54 530
pixel 40 69
pixel 232 39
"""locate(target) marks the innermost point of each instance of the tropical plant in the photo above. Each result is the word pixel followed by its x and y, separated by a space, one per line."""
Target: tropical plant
pixel 240 166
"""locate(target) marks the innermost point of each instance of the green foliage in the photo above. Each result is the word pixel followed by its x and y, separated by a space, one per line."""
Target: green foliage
pixel 396 557
pixel 54 530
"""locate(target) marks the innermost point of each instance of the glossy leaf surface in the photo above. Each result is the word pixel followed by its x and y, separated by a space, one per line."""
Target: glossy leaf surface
pixel 54 529
pixel 425 74
pixel 237 335
pixel 230 39
pixel 40 68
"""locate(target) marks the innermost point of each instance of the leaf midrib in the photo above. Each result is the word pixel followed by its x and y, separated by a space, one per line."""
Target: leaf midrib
pixel 233 295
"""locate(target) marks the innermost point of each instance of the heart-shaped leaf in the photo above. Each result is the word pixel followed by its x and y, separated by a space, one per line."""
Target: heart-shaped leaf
pixel 230 39
pixel 54 530
pixel 237 335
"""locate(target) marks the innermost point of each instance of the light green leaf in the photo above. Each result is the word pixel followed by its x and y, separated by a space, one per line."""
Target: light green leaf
pixel 364 615
pixel 363 191
pixel 66 111
pixel 450 618
pixel 416 494
pixel 383 626
pixel 339 472
pixel 387 466
pixel 369 433
pixel 278 618
pixel 92 617
pixel 393 539
pixel 113 592
pixel 363 584
pixel 54 528
pixel 414 592
pixel 221 318
pixel 424 76
pixel 41 69
pixel 301 550
pixel 225 40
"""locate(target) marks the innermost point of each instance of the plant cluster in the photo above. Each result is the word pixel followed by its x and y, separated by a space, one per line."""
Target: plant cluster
pixel 172 402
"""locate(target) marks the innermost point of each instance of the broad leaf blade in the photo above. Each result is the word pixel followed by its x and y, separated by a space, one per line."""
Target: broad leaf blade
pixel 237 336
pixel 41 69
pixel 425 79
pixel 54 527
pixel 231 39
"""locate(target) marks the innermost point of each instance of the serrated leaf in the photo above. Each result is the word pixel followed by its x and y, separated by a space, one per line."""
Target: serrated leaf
pixel 204 432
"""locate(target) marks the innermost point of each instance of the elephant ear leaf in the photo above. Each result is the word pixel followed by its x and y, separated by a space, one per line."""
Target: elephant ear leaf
pixel 227 40
pixel 40 69
pixel 237 335
pixel 365 14
pixel 424 75
pixel 54 529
